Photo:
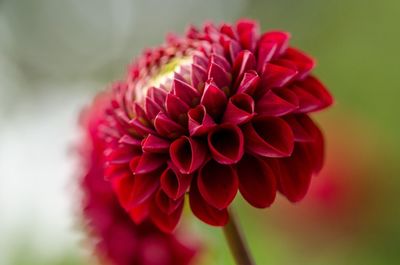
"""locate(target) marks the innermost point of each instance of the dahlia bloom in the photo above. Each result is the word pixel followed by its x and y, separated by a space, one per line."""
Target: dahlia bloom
pixel 118 239
pixel 222 109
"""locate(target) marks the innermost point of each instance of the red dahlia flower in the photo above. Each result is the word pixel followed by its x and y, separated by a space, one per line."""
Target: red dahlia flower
pixel 118 239
pixel 220 110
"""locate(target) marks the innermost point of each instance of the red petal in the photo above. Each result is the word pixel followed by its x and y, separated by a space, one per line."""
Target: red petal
pixel 166 204
pixel 167 127
pixel 221 77
pixel 276 75
pixel 139 213
pixel 226 143
pixel 165 222
pixel 312 95
pixel 200 122
pixel 213 99
pixel 123 188
pixel 248 33
pixel 187 154
pixel 155 144
pixel 204 211
pixel 174 184
pixel 176 109
pixel 295 174
pixel 186 92
pixel 249 83
pixel 240 109
pixel 199 77
pixel 257 182
pixel 269 137
pixel 218 184
pixel 152 108
pixel 140 128
pixel 277 37
pixel 244 62
pixel 266 51
pixel 129 140
pixel 158 95
pixel 147 162
pixel 277 103
pixel 303 62
pixel 144 185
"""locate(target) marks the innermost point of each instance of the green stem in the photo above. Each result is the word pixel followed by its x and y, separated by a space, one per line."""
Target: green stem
pixel 237 243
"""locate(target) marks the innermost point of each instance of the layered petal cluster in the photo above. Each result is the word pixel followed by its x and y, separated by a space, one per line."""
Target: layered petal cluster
pixel 221 110
pixel 116 238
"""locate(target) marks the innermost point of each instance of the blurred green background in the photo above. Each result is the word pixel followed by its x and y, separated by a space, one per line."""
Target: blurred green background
pixel 55 55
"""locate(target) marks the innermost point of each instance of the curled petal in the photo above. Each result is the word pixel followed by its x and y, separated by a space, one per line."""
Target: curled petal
pixel 214 99
pixel 218 184
pixel 140 128
pixel 176 109
pixel 158 95
pixel 147 162
pixel 295 173
pixel 199 76
pixel 277 76
pixel 140 212
pixel 249 83
pixel 231 48
pixel 200 122
pixel 174 184
pixel 312 95
pixel 165 222
pixel 226 143
pixel 221 77
pixel 144 184
pixel 281 39
pixel 167 127
pixel 155 144
pixel 245 61
pixel 204 211
pixel 257 182
pixel 277 103
pixel 185 92
pixel 269 137
pixel 248 32
pixel 123 187
pixel 221 61
pixel 266 51
pixel 152 108
pixel 240 109
pixel 187 154
pixel 165 203
pixel 303 62
pixel 129 140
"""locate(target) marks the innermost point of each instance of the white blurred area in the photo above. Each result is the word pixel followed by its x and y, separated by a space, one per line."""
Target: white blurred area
pixel 54 56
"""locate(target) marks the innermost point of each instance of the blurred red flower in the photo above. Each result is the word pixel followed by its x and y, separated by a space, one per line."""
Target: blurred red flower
pixel 220 110
pixel 118 239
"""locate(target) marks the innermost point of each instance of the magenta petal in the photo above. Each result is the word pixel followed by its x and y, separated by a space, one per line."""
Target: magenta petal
pixel 295 174
pixel 218 184
pixel 185 92
pixel 269 137
pixel 165 222
pixel 187 154
pixel 176 108
pixel 214 100
pixel 155 144
pixel 221 61
pixel 200 122
pixel 174 184
pixel 204 211
pixel 257 182
pixel 148 162
pixel 167 127
pixel 165 203
pixel 276 75
pixel 226 143
pixel 281 39
pixel 277 103
pixel 249 83
pixel 129 140
pixel 221 77
pixel 240 109
pixel 158 95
